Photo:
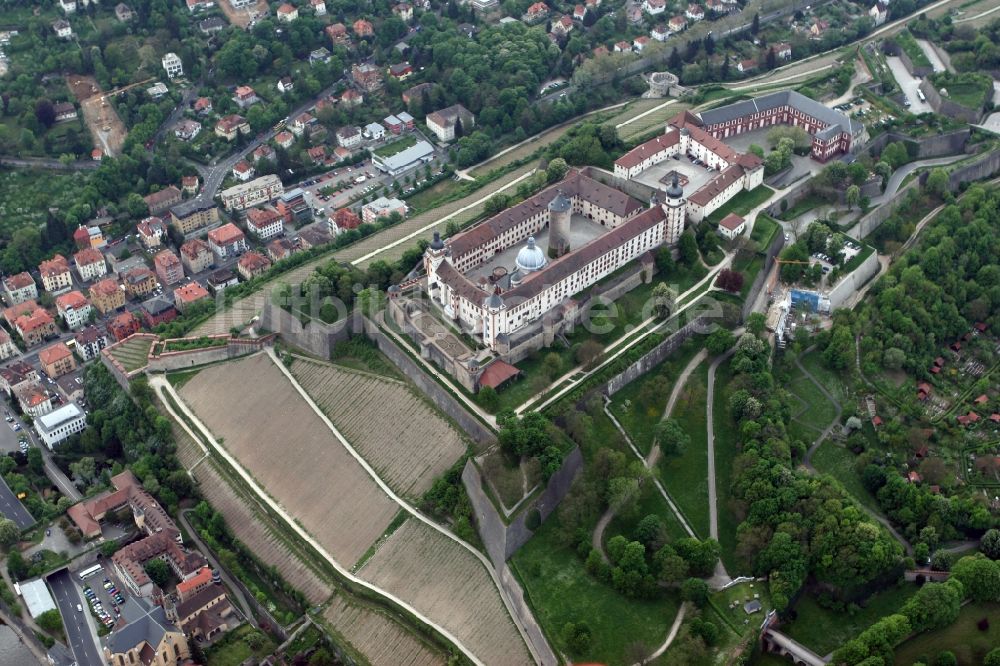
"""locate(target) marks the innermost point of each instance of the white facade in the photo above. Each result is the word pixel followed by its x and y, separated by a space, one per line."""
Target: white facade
pixel 76 317
pixel 19 288
pixel 93 270
pixel 173 65
pixel 257 191
pixel 7 346
pixel 56 426
pixel 267 231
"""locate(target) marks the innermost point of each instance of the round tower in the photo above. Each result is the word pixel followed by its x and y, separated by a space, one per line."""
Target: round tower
pixel 560 212
pixel 674 209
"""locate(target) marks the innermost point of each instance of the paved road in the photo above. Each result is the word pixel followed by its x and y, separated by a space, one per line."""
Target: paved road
pixel 80 632
pixel 12 508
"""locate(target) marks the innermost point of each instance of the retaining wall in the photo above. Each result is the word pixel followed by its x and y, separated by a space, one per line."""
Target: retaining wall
pixel 982 167
pixel 870 222
pixel 501 539
pixel 920 72
pixel 168 361
pixel 438 395
pixel 853 281
pixel 654 357
pixel 949 143
pixel 948 107
pixel 758 283
pixel 315 337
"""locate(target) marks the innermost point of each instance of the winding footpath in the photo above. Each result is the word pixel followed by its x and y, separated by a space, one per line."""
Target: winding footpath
pixel 807 458
pixel 720 577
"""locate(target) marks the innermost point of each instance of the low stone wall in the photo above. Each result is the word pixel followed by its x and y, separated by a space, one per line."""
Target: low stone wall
pixel 315 337
pixel 853 281
pixel 501 539
pixel 234 348
pixel 438 395
pixel 949 143
pixel 654 357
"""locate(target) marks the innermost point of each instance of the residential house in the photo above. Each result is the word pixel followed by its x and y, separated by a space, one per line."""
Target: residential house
pixel 639 43
pixel 633 13
pixel 257 191
pixel 314 237
pixel 337 33
pixel 160 202
pixel 35 326
pixel 56 277
pixel 139 281
pixel 19 288
pixel 417 92
pixel 349 136
pixel 193 215
pixel 579 12
pixel 190 293
pixel 318 6
pixel 90 264
pixel 281 248
pixel 404 11
pixel 212 25
pixel 91 234
pixel 64 111
pixel 252 264
pixel 363 28
pixel 157 310
pixel 196 256
pixel 202 106
pixel 187 129
pixel 660 33
pixel 228 126
pixel 677 24
pixel 694 13
pixel 62 29
pixel 408 121
pixel 89 343
pixel 366 76
pixel 285 85
pixel 340 153
pixel 382 207
pixel 654 7
pixel 57 360
pixel 11 314
pixel 300 122
pixel 343 220
pixel 746 66
pixel 189 185
pixel 7 347
pixel 317 154
pixel 287 13
pixel 17 376
pixel 294 206
pixel 393 124
pixel 817 29
pixel 265 223
pixel 145 636
pixel 400 70
pixel 57 425
pixel 536 12
pixel 562 26
pixel 227 241
pixel 34 401
pixel 107 296
pixel 444 123
pixel 199 5
pixel 879 13
pixel 264 152
pixel 157 90
pixel 284 139
pixel 322 54
pixel 352 97
pixel 168 267
pixel 221 279
pixel 68 6
pixel 245 97
pixel 731 226
pixel 374 132
pixel 123 325
pixel 243 171
pixel 173 65
pixel 74 308
pixel 783 50
pixel 123 12
pixel 716 6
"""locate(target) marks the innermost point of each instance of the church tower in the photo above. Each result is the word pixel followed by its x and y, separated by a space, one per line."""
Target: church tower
pixel 675 210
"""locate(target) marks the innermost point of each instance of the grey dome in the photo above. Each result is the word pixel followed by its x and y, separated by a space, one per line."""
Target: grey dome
pixel 437 243
pixel 393 288
pixel 531 257
pixel 494 302
pixel 675 191
pixel 560 204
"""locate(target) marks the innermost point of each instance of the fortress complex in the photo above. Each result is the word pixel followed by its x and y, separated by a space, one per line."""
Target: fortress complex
pixel 497 279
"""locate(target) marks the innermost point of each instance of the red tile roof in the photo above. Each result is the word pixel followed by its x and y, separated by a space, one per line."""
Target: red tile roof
pixel 497 373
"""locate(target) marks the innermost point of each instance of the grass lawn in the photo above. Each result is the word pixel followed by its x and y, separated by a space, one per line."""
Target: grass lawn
pixel 912 49
pixel 750 274
pixel 390 149
pixel 764 229
pixel 650 502
pixel 726 438
pixel 646 397
pixel 971 96
pixel 742 203
pixel 560 590
pixel 838 462
pixel 804 205
pixel 830 380
pixel 233 650
pixel 963 638
pixel 729 604
pixel 819 411
pixel 686 476
pixel 823 630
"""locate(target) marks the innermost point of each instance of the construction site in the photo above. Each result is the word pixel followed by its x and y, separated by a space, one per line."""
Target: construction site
pixel 99 114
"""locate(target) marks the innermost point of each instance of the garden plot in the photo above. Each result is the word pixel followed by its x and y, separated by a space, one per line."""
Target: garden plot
pixel 450 586
pixel 262 421
pixel 401 436
pixel 380 639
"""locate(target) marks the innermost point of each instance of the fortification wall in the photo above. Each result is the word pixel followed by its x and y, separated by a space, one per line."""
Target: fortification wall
pixel 853 281
pixel 315 337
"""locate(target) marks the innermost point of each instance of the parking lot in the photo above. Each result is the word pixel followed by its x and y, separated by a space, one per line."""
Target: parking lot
pixel 105 595
pixel 348 183
pixel 909 85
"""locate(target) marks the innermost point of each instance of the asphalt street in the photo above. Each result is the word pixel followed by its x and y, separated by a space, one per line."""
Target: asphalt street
pixel 12 508
pixel 80 632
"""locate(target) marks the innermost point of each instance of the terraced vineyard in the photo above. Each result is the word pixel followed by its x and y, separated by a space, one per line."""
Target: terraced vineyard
pixel 378 637
pixel 132 353
pixel 448 584
pixel 401 436
pixel 263 422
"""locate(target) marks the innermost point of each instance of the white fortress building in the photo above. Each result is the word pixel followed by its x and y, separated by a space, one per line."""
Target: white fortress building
pixel 502 276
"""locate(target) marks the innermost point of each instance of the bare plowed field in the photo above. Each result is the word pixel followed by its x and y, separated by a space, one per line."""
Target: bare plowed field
pixel 248 528
pixel 379 638
pixel 448 584
pixel 400 435
pixel 263 422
